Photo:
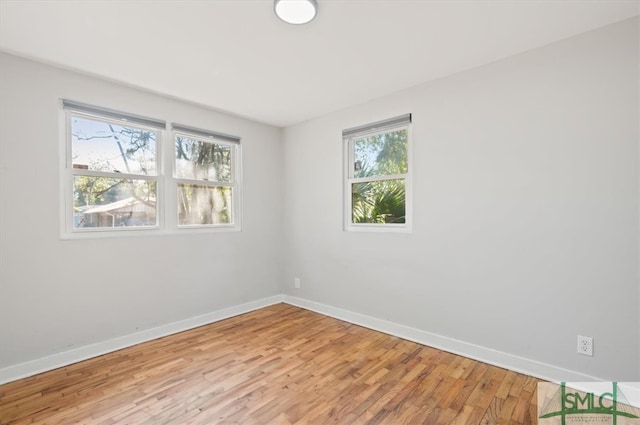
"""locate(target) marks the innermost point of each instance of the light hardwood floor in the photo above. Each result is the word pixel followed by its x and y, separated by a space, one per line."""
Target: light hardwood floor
pixel 277 365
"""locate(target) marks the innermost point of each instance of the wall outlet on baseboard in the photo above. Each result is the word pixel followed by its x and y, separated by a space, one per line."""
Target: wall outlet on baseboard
pixel 585 345
pixel 296 283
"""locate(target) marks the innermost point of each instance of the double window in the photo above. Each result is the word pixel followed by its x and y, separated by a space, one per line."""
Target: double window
pixel 377 183
pixel 127 173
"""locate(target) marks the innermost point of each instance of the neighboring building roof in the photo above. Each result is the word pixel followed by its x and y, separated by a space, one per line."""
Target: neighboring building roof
pixel 128 204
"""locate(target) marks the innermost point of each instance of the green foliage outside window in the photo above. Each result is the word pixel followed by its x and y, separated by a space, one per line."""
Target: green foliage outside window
pixel 380 200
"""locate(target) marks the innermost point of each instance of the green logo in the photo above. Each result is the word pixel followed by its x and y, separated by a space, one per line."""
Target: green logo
pixel 587 407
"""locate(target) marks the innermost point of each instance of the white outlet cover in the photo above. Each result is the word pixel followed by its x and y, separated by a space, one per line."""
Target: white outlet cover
pixel 585 345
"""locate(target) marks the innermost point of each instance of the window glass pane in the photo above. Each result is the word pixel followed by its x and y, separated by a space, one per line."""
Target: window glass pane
pixel 200 160
pixel 105 202
pixel 381 154
pixel 378 201
pixel 199 204
pixel 103 146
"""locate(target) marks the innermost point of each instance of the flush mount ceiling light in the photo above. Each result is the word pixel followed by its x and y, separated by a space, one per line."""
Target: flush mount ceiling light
pixel 296 11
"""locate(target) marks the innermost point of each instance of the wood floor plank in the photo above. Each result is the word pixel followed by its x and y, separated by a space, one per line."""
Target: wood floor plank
pixel 278 365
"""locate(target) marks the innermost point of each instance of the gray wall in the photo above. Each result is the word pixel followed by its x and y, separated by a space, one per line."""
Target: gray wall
pixel 526 229
pixel 525 206
pixel 56 295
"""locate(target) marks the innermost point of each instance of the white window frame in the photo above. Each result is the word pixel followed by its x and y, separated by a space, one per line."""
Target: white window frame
pixel 368 130
pixel 68 231
pixel 166 182
pixel 234 143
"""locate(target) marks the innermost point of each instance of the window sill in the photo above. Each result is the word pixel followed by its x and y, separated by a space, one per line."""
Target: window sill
pixel 378 228
pixel 148 232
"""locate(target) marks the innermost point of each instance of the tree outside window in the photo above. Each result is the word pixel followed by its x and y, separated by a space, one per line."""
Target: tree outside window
pixel 377 178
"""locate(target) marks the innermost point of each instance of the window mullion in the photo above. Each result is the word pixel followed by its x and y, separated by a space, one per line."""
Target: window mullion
pixel 211 183
pixel 118 176
pixel 378 178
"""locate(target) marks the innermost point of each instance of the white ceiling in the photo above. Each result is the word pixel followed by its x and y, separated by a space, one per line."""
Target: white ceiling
pixel 236 56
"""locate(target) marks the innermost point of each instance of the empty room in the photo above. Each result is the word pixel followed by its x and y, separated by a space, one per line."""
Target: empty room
pixel 320 211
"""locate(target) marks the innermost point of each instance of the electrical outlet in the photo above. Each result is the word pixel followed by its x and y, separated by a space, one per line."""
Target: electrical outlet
pixel 585 345
pixel 296 283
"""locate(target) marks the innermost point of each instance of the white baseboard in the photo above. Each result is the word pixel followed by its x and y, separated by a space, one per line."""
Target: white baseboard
pixel 33 367
pixel 486 355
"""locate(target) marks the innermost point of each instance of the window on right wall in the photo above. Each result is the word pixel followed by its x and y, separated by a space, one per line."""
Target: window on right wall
pixel 378 176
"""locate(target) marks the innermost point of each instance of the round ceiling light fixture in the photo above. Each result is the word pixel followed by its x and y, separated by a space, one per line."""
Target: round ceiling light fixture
pixel 296 12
